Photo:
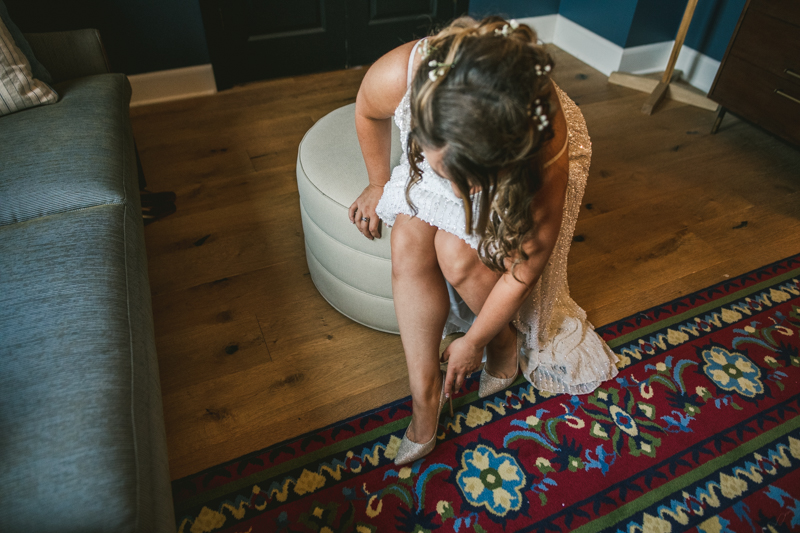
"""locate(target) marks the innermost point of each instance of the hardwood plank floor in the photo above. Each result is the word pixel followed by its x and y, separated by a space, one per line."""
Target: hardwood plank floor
pixel 250 354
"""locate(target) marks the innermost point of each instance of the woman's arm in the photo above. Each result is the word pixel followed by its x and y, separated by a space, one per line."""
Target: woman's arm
pixel 510 291
pixel 379 95
pixel 505 299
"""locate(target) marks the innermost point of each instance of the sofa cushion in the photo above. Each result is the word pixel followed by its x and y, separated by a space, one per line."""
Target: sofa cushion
pixel 82 443
pixel 39 71
pixel 19 90
pixel 74 154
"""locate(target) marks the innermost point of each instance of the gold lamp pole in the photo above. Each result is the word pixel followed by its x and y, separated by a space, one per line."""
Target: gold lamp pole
pixel 659 89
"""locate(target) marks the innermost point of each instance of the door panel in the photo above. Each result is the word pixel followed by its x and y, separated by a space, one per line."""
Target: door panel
pixel 270 20
pixel 377 26
pixel 260 39
pixel 382 10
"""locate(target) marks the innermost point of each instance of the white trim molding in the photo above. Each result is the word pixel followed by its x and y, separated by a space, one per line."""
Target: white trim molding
pixel 174 84
pixel 592 49
pixel 646 58
pixel 698 69
pixel 545 26
pixel 598 52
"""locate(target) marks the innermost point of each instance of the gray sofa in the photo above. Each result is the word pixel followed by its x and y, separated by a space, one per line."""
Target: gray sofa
pixel 82 440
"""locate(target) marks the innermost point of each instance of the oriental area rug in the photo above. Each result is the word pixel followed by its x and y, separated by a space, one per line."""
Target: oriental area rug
pixel 700 431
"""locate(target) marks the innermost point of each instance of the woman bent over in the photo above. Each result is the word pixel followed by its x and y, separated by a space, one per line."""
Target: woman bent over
pixel 482 206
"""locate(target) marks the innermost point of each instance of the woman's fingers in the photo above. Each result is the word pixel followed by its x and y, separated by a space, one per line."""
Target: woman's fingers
pixel 362 212
pixel 356 214
pixel 375 227
pixel 363 224
pixel 368 222
pixel 449 381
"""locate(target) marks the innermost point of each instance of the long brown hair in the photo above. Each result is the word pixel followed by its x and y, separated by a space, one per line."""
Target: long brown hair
pixel 486 104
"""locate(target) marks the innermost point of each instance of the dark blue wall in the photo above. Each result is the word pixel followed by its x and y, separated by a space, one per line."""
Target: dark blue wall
pixel 712 26
pixel 633 22
pixel 711 29
pixel 513 8
pixel 655 21
pixel 609 19
pixel 158 35
pixel 139 35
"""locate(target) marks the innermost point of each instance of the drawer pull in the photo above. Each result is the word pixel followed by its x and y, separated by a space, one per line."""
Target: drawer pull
pixel 792 98
pixel 790 72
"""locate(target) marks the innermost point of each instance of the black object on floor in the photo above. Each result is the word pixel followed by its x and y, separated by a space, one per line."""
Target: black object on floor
pixel 157 212
pixel 152 199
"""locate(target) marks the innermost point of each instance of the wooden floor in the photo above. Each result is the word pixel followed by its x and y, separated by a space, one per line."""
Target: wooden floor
pixel 250 354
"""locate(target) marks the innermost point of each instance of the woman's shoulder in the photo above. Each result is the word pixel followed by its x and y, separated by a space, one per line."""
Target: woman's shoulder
pixel 386 82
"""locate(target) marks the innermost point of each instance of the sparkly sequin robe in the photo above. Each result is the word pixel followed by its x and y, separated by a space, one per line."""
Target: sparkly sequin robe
pixel 558 348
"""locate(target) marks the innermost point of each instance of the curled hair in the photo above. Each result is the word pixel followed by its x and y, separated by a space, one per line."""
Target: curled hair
pixel 481 109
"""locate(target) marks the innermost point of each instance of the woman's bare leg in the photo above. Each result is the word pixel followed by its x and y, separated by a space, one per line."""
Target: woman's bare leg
pixel 422 304
pixel 473 281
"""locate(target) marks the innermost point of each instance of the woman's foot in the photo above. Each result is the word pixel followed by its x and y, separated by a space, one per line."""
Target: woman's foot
pixel 501 366
pixel 501 354
pixel 410 450
pixel 425 419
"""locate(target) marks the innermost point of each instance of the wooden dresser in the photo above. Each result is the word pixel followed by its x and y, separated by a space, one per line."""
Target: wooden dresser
pixel 759 78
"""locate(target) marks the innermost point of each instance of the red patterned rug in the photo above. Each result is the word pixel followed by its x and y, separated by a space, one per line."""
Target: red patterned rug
pixel 699 432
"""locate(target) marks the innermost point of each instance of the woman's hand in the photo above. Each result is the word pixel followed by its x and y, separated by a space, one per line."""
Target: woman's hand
pixel 362 212
pixel 464 358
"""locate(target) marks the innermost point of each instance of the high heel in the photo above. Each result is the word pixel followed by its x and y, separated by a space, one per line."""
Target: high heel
pixel 490 384
pixel 409 451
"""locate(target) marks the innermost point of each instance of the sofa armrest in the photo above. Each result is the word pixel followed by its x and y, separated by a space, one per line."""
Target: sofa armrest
pixel 70 54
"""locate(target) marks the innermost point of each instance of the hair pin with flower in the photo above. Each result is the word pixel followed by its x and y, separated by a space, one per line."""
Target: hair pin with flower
pixel 426 49
pixel 542 70
pixel 507 28
pixel 539 115
pixel 438 69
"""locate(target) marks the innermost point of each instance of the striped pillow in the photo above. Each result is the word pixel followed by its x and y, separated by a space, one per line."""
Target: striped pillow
pixel 18 88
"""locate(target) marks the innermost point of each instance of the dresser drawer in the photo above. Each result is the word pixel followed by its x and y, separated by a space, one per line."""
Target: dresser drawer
pixel 788 10
pixel 749 91
pixel 770 44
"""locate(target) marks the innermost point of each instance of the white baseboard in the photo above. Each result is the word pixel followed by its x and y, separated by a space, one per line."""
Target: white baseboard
pixel 545 26
pixel 698 69
pixel 174 84
pixel 587 46
pixel 646 58
pixel 598 52
pixel 592 49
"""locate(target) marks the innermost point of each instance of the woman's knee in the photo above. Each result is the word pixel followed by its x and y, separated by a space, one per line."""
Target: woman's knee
pixel 412 246
pixel 457 259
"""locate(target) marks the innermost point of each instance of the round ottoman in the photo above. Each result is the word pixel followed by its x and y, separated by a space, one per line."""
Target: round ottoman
pixel 353 273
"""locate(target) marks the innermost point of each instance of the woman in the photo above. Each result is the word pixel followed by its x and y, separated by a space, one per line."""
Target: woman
pixel 482 209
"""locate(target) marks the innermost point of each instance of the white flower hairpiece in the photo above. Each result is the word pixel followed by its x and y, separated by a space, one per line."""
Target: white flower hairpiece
pixel 425 49
pixel 542 70
pixel 538 114
pixel 438 69
pixel 507 28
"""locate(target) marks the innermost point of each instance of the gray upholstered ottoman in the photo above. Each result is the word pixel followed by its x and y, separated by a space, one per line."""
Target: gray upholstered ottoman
pixel 351 272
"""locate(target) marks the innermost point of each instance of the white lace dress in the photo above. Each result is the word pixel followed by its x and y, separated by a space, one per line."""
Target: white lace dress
pixel 558 348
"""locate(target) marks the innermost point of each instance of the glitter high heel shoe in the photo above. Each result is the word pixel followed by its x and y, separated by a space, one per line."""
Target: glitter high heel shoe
pixel 490 384
pixel 409 451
